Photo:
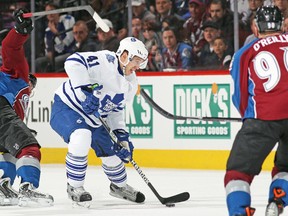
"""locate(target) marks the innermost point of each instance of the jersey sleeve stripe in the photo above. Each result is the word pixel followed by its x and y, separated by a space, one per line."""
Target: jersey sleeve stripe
pixel 80 60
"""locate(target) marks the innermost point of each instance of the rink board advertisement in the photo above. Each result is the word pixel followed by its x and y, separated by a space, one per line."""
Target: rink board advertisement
pixel 201 100
pixel 158 141
pixel 139 116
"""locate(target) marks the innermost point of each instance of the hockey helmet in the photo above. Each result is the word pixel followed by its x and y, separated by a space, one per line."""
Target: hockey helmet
pixel 269 19
pixel 134 47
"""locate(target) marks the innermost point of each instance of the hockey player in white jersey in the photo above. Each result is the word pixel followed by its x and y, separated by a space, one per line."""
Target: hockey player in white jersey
pixel 100 83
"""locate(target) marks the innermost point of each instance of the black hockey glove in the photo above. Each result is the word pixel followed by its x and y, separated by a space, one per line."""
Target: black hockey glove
pixel 23 25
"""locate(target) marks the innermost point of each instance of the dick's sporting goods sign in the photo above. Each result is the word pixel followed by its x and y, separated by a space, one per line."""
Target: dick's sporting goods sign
pixel 139 117
pixel 203 100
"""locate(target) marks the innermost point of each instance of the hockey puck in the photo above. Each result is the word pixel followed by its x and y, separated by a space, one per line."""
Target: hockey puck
pixel 170 205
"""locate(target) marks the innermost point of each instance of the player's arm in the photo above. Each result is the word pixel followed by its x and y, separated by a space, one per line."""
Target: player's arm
pixel 14 61
pixel 132 86
pixel 68 22
pixel 77 67
pixel 239 72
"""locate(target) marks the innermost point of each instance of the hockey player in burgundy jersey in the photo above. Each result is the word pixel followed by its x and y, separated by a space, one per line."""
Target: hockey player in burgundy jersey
pixel 20 150
pixel 260 74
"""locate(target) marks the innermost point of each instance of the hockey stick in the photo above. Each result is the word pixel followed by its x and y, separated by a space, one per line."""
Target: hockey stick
pixel 175 117
pixel 88 8
pixel 168 200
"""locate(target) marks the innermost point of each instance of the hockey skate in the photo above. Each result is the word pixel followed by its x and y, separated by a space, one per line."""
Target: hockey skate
pixel 275 206
pixel 127 193
pixel 79 196
pixel 28 196
pixel 8 196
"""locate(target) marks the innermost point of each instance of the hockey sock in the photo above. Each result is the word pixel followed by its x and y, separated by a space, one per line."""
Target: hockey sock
pixel 115 170
pixel 237 197
pixel 7 165
pixel 76 169
pixel 28 168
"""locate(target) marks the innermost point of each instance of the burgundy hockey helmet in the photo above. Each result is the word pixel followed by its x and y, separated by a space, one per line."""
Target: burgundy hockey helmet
pixel 269 19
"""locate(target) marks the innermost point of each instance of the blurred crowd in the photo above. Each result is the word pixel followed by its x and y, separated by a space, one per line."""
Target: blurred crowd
pixel 181 35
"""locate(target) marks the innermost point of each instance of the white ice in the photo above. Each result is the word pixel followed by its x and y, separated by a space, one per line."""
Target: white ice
pixel 207 194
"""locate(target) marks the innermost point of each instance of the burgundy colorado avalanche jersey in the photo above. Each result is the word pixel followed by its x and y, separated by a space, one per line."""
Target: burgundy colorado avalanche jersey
pixel 260 74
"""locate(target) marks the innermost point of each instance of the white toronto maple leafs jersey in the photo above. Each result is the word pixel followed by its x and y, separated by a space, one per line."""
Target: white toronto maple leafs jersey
pixel 101 69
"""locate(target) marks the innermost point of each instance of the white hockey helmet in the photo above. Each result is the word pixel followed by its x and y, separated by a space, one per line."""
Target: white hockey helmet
pixel 134 47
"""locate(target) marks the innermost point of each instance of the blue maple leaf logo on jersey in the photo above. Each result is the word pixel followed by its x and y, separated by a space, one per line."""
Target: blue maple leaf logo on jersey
pixel 110 58
pixel 109 104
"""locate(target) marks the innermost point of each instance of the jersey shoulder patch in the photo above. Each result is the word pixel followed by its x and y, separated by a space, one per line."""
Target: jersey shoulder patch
pixel 110 58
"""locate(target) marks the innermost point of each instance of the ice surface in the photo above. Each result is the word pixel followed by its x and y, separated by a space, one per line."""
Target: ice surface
pixel 207 194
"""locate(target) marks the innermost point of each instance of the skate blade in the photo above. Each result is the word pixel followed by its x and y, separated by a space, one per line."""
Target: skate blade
pixel 84 205
pixel 28 202
pixel 9 202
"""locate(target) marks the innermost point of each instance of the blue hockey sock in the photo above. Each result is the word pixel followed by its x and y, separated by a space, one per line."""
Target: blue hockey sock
pixel 238 197
pixel 237 202
pixel 7 164
pixel 28 168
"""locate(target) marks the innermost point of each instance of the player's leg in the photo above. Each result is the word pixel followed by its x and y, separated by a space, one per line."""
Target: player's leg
pixel 8 195
pixel 252 144
pixel 76 133
pixel 17 139
pixel 76 165
pixel 278 191
pixel 114 168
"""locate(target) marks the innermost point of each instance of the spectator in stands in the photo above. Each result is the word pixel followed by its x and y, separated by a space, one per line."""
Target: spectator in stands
pixel 58 42
pixel 252 36
pixel 253 5
pixel 210 31
pixel 220 14
pixel 82 38
pixel 122 33
pixel 137 31
pixel 245 25
pixel 108 40
pixel 282 5
pixel 140 10
pixel 153 43
pixel 176 54
pixel 155 59
pixel 111 10
pixel 151 36
pixel 192 30
pixel 222 58
pixel 285 24
pixel 181 8
pixel 163 9
pixel 7 21
pixel 173 21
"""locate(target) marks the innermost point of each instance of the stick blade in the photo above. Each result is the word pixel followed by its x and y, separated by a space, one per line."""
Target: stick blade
pixel 100 22
pixel 177 198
